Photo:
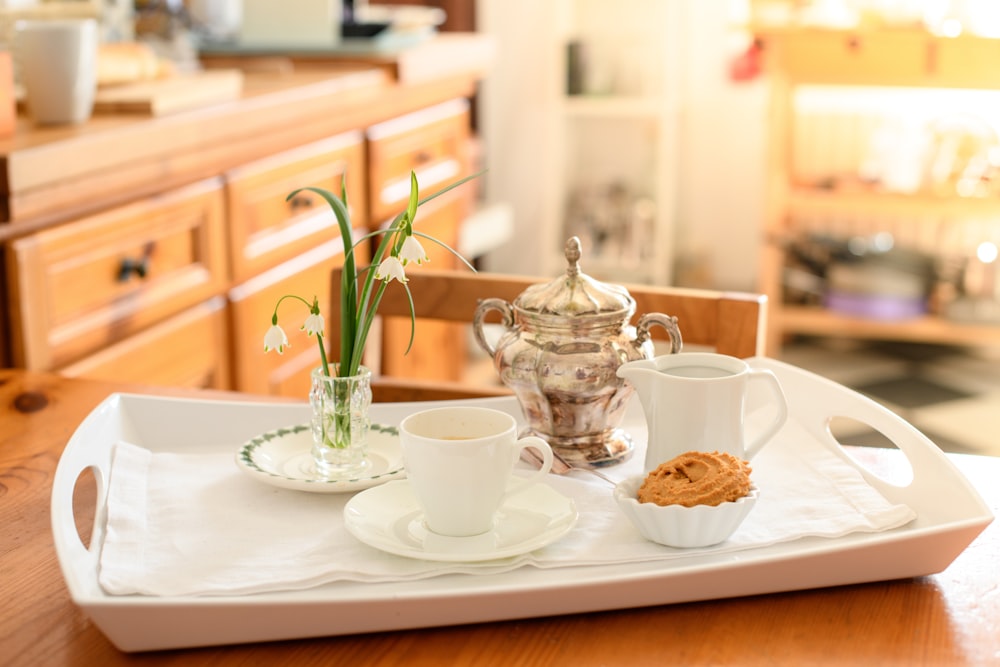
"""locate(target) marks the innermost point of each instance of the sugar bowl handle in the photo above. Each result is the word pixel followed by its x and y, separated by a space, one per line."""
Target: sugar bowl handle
pixel 668 322
pixel 485 306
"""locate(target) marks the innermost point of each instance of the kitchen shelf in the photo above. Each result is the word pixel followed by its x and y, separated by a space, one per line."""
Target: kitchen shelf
pixel 617 140
pixel 613 106
pixel 870 61
pixel 818 321
pixel 839 201
pixel 884 56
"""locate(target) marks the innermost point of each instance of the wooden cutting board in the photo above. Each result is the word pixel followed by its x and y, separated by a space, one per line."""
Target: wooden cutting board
pixel 177 93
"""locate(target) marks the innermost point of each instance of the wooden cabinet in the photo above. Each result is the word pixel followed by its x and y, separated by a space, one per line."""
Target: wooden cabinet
pixel 128 293
pixel 154 249
pixel 873 64
pixel 80 287
pixel 190 349
pixel 282 248
pixel 432 142
pixel 264 228
pixel 252 304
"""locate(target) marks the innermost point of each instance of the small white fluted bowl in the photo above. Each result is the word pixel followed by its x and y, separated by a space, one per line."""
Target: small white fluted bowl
pixel 679 526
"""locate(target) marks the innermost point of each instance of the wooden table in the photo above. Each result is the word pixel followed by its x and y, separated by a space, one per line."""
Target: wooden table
pixel 951 618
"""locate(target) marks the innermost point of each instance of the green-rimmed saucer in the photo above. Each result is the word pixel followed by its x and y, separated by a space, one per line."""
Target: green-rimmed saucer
pixel 283 458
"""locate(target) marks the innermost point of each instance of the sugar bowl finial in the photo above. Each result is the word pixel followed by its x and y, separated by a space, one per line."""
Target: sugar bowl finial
pixel 573 253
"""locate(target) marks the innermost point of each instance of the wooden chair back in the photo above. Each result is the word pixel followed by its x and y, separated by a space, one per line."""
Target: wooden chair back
pixel 730 323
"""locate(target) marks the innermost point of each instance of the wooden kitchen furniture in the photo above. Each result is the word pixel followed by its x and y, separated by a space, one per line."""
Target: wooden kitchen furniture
pixel 872 58
pixel 154 248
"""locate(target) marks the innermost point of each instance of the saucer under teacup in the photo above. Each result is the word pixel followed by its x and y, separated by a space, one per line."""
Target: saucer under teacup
pixel 389 518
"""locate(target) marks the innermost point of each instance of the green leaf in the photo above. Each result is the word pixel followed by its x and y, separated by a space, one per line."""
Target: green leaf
pixel 413 319
pixel 348 286
pixel 451 186
pixel 445 246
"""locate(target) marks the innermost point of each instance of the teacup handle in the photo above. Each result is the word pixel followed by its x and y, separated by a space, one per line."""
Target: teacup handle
pixel 543 447
pixel 781 416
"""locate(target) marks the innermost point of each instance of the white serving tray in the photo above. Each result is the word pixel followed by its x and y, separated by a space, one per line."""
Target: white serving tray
pixel 950 514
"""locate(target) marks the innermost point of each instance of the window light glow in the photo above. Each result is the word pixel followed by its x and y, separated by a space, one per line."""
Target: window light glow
pixel 987 252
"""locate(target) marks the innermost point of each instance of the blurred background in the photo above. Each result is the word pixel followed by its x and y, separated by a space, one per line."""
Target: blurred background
pixel 840 156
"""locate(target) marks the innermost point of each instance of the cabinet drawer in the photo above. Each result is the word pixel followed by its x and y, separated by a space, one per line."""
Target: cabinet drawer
pixel 252 305
pixel 432 142
pixel 81 286
pixel 266 230
pixel 186 350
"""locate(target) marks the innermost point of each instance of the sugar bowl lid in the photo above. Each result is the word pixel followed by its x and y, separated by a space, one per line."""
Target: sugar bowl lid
pixel 576 294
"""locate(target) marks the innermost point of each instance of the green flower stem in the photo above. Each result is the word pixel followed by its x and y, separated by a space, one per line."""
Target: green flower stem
pixel 274 315
pixel 322 355
pixel 342 432
pixel 369 317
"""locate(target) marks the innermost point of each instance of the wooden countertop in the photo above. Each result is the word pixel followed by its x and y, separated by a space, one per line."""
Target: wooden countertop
pixel 951 618
pixel 49 174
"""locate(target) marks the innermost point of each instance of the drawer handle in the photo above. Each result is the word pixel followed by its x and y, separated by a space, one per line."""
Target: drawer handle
pixel 139 267
pixel 300 201
pixel 423 157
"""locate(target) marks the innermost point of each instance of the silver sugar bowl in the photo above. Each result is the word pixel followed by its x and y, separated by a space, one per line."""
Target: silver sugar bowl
pixel 559 351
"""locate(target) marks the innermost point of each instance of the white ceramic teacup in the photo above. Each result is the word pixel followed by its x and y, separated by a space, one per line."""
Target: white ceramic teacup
pixel 697 402
pixel 57 65
pixel 459 462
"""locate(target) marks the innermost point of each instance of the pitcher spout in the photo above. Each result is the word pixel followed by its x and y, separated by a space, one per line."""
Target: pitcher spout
pixel 641 373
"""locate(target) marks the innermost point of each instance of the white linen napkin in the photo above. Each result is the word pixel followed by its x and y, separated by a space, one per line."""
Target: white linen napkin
pixel 194 524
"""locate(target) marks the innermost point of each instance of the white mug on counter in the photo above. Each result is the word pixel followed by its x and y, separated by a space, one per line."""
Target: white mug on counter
pixel 56 60
pixel 460 461
pixel 696 401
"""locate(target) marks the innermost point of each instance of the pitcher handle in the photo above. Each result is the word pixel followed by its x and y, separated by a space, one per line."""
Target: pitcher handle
pixel 769 378
pixel 478 319
pixel 669 324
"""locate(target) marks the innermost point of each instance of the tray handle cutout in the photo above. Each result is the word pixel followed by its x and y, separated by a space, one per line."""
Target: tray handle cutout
pixel 864 444
pixel 78 560
pixel 85 505
pixel 815 401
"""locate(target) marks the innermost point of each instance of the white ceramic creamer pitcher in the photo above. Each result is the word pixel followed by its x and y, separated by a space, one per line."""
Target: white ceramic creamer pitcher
pixel 697 402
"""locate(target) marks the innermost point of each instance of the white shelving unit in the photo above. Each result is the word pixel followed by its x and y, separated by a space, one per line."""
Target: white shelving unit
pixel 614 143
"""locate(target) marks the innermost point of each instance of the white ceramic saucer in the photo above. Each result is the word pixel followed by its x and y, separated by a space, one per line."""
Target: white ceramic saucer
pixel 283 458
pixel 389 518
